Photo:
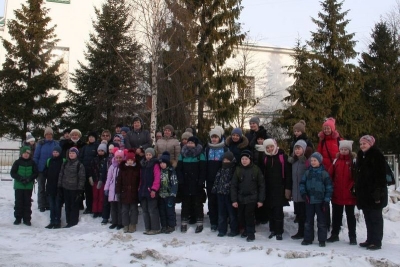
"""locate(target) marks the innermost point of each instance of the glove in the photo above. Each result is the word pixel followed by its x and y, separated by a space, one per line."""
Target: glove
pixel 306 198
pixel 325 206
pixel 106 193
pixel 25 181
pixel 99 184
pixel 288 194
pixel 91 180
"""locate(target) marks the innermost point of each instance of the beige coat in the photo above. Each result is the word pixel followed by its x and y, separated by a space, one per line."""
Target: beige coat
pixel 170 144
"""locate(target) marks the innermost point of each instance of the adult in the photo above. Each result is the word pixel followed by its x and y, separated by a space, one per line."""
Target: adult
pixel 138 138
pixel 74 141
pixel 371 190
pixel 168 143
pixel 237 143
pixel 44 150
pixel 106 137
pixel 65 138
pixel 255 127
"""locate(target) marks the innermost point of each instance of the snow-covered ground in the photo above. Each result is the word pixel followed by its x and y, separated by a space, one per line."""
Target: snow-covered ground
pixel 91 244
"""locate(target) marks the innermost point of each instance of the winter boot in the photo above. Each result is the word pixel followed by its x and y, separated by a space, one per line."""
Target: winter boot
pixel 50 226
pixel 120 226
pixel 353 241
pixel 278 237
pixel 170 229
pixel 112 226
pixel 163 230
pixel 333 238
pixel 298 236
pixel 17 221
pixel 132 228
pixel 184 228
pixel 199 229
pixel 126 229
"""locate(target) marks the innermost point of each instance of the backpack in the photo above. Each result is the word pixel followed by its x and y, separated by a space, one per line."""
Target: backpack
pixel 282 160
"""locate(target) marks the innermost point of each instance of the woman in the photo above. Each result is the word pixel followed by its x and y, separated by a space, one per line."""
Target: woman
pixel 371 190
pixel 168 143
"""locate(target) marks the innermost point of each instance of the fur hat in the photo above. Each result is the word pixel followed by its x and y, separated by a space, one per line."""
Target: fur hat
pixel 245 153
pixel 237 131
pixel 48 130
pixel 68 130
pixel 194 140
pixel 29 137
pixel 270 142
pixel 301 143
pixel 169 127
pixel 186 135
pixel 368 139
pixel 166 158
pixel 125 129
pixel 331 123
pixel 346 144
pixel 150 150
pixel 300 126
pixel 255 120
pixel 119 153
pixel 74 150
pixel 57 148
pixel 77 132
pixel 25 149
pixel 102 147
pixel 92 133
pixel 130 154
pixel 228 155
pixel 215 132
pixel 317 156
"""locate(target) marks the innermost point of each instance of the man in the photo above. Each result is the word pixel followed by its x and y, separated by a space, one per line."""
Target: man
pixel 138 138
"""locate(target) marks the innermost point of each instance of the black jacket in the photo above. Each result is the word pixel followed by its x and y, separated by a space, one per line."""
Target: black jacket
pixel 52 172
pixel 247 185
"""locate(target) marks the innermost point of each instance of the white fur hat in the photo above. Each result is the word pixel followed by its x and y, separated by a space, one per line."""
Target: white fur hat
pixel 346 144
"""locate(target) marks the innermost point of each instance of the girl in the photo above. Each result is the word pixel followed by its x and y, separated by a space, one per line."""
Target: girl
pixel 98 178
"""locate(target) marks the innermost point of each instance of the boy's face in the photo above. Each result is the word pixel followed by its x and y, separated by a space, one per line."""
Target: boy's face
pixel 235 137
pixel 314 162
pixel 149 156
pixel 130 161
pixel 344 151
pixel 327 130
pixel 66 136
pixel 72 155
pixel 364 146
pixel 298 151
pixel 163 165
pixel 101 152
pixel 226 160
pixel 214 139
pixel 245 161
pixel 191 144
pixel 270 149
pixel 26 154
pixel 297 133
pixel 260 141
pixel 56 154
pixel 118 159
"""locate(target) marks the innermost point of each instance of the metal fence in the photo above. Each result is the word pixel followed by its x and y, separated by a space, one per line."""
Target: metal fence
pixel 7 158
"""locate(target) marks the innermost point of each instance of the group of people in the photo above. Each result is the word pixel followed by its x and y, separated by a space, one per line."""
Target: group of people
pixel 246 179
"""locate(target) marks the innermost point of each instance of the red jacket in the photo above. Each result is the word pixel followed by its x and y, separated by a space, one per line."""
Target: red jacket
pixel 342 180
pixel 328 146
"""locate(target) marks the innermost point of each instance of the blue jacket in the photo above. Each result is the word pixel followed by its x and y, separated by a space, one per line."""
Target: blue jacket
pixel 44 150
pixel 317 185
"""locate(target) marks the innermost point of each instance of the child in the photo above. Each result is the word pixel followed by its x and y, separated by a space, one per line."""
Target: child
pixel 184 138
pixel 98 179
pixel 126 188
pixel 191 173
pixel 168 191
pixel 52 172
pixel 236 143
pixel 343 181
pixel 24 171
pixel 214 153
pixel 258 159
pixel 278 183
pixel 247 193
pixel 299 134
pixel 148 188
pixel 222 188
pixel 72 182
pixel 316 189
pixel 299 166
pixel 106 204
pixel 109 190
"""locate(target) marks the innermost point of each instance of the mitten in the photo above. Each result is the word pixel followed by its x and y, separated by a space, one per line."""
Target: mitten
pixel 324 206
pixel 99 184
pixel 91 180
pixel 106 193
pixel 306 198
pixel 288 194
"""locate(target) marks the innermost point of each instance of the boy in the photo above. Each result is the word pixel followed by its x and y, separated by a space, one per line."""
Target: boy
pixel 24 171
pixel 221 188
pixel 52 172
pixel 316 190
pixel 247 193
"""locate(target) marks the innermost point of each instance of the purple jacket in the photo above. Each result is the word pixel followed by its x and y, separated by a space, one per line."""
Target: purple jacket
pixel 111 180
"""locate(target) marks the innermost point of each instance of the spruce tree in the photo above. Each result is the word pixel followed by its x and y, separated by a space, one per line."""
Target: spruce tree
pixel 29 73
pixel 109 88
pixel 380 68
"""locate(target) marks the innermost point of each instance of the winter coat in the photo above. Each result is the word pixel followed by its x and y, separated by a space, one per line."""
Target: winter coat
pixel 66 144
pixel 168 182
pixel 24 172
pixel 341 173
pixel 149 177
pixel 112 175
pixel 252 139
pixel 237 147
pixel 44 150
pixel 299 167
pixel 86 155
pixel 328 146
pixel 52 173
pixel 214 154
pixel 309 149
pixel 127 185
pixel 247 185
pixel 370 174
pixel 317 185
pixel 258 156
pixel 277 179
pixel 170 144
pixel 98 168
pixel 72 175
pixel 138 138
pixel 191 170
pixel 222 183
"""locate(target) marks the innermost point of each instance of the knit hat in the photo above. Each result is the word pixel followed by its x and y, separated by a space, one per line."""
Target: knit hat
pixel 130 155
pixel 215 132
pixel 25 149
pixel 57 148
pixel 261 134
pixel 368 139
pixel 189 130
pixel 301 143
pixel 346 144
pixel 186 135
pixel 92 133
pixel 118 136
pixel 125 129
pixel 220 129
pixel 317 156
pixel 150 150
pixel 75 150
pixel 300 126
pixel 169 127
pixel 119 153
pixel 194 140
pixel 166 158
pixel 228 155
pixel 48 130
pixel 237 131
pixel 255 120
pixel 29 137
pixel 245 153
pixel 103 147
pixel 68 130
pixel 331 123
pixel 76 131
